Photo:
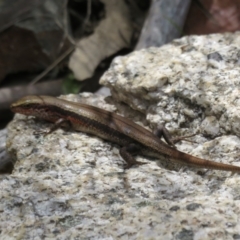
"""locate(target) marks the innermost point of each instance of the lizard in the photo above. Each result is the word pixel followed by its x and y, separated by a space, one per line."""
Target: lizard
pixel 133 138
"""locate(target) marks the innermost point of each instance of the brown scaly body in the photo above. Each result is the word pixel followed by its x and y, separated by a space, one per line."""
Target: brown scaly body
pixel 132 137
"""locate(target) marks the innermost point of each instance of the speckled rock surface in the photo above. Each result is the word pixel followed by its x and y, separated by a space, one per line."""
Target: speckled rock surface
pixel 192 83
pixel 69 185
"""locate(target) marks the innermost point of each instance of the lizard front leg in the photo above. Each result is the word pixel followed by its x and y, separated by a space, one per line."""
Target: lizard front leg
pixel 59 123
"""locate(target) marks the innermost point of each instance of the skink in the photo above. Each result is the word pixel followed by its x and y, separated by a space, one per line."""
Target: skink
pixel 132 138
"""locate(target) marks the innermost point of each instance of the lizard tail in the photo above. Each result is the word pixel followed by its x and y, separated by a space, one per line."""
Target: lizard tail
pixel 187 159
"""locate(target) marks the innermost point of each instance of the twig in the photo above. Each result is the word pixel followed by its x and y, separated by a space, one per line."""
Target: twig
pixel 89 10
pixel 54 64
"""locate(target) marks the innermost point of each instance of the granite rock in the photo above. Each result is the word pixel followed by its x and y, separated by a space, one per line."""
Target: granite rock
pixel 184 84
pixel 70 185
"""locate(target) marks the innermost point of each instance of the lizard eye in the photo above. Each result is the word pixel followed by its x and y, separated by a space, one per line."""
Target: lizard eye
pixel 29 105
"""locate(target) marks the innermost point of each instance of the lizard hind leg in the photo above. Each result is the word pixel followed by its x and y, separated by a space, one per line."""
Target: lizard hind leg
pixel 127 153
pixel 163 132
